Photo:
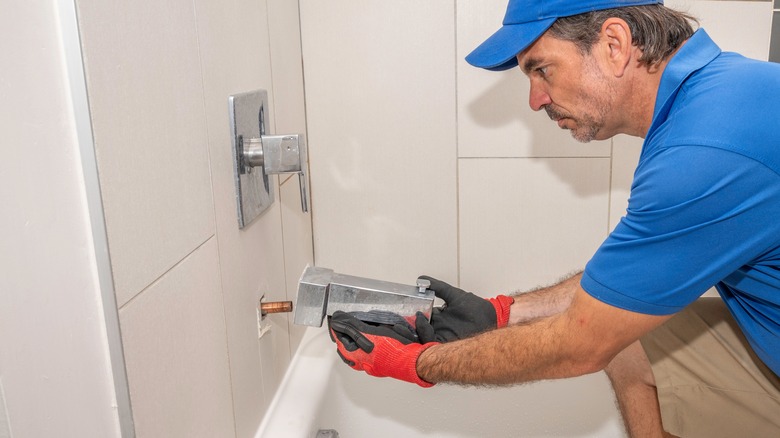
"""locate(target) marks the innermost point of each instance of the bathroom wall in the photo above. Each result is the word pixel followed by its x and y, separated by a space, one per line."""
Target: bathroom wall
pixel 188 281
pixel 183 280
pixel 422 164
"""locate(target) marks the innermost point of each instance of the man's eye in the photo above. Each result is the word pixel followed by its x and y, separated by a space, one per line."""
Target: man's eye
pixel 542 71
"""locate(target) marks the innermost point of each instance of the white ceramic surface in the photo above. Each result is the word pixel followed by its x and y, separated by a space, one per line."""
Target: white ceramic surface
pixel 321 392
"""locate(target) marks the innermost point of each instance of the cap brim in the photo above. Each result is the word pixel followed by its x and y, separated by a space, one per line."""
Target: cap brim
pixel 499 52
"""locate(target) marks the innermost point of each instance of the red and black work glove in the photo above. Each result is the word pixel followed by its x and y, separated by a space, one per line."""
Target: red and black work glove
pixel 463 314
pixel 379 350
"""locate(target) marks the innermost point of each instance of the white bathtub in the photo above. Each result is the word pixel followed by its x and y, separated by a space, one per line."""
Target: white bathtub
pixel 319 392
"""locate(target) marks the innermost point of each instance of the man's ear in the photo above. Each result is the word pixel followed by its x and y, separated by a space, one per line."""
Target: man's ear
pixel 617 44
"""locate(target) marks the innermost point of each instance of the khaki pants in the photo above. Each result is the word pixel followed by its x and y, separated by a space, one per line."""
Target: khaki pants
pixel 710 382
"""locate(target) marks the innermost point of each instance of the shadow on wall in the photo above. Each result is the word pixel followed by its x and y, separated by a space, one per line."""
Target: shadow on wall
pixel 536 136
pixel 506 102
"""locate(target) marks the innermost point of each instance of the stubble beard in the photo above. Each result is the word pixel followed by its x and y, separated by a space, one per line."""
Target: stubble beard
pixel 596 101
pixel 586 126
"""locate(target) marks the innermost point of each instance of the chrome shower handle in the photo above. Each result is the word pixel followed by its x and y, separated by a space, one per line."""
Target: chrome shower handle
pixel 257 154
pixel 278 154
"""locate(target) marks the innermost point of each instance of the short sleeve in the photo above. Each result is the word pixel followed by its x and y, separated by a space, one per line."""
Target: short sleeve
pixel 695 215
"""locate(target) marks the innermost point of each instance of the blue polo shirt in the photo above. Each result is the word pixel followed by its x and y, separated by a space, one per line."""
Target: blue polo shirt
pixel 704 208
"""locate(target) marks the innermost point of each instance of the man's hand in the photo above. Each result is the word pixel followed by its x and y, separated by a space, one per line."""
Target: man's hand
pixel 463 315
pixel 379 350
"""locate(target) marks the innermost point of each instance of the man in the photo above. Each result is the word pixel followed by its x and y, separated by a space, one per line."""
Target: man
pixel 704 210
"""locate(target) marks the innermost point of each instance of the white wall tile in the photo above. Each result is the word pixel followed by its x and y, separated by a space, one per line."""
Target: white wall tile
pixel 380 102
pixel 287 66
pixel 494 118
pixel 738 26
pixel 528 222
pixel 146 98
pixel 235 51
pixel 176 352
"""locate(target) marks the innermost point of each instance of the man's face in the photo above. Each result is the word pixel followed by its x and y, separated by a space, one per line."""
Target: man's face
pixel 570 87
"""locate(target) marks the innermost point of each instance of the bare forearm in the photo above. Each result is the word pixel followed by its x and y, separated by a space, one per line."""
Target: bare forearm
pixel 514 354
pixel 543 341
pixel 544 302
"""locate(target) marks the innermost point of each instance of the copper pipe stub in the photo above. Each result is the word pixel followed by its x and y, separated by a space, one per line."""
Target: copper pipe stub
pixel 276 307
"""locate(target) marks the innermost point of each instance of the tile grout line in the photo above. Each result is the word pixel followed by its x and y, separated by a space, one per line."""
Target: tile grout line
pixel 167 271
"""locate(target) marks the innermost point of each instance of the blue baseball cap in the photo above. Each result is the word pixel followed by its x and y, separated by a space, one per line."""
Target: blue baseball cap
pixel 526 20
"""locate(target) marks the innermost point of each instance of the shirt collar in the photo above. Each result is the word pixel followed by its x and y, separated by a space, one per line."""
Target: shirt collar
pixel 697 52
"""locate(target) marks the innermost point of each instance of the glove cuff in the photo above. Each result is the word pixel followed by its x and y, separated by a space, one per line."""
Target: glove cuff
pixel 502 303
pixel 411 367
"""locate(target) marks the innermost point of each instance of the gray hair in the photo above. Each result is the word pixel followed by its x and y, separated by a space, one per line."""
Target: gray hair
pixel 655 29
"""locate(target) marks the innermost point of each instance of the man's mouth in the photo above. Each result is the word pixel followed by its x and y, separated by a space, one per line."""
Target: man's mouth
pixel 556 116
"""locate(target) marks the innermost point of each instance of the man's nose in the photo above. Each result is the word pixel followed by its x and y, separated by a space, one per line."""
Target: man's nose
pixel 538 97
